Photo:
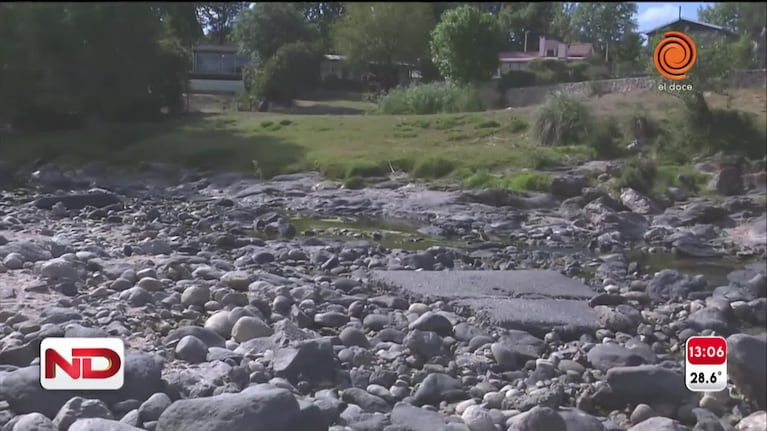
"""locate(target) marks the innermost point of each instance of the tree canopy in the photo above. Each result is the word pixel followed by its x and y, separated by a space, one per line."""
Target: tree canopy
pixel 262 30
pixel 465 45
pixel 384 33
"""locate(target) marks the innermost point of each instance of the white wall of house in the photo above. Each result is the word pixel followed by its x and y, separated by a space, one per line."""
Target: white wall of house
pixel 505 67
pixel 216 86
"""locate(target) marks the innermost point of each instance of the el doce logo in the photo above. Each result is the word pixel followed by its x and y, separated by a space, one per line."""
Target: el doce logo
pixel 82 363
pixel 675 55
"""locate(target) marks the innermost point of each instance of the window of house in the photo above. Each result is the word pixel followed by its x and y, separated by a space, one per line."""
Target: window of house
pixel 549 53
pixel 229 64
pixel 208 62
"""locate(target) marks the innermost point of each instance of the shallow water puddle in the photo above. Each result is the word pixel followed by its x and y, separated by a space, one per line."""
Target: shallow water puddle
pixel 400 234
pixel 714 269
pixel 389 234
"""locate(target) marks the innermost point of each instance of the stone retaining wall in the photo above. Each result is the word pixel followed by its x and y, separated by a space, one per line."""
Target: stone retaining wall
pixel 527 96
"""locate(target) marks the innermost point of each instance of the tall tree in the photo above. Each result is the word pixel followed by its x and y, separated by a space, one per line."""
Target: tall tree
pixel 323 15
pixel 531 19
pixel 384 34
pixel 262 30
pixel 218 18
pixel 604 24
pixel 465 45
pixel 95 60
pixel 181 19
pixel 746 19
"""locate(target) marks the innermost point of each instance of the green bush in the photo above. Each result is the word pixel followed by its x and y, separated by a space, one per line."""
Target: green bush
pixel 533 182
pixel 562 120
pixel 354 183
pixel 516 79
pixel 244 101
pixel 293 70
pixel 433 167
pixel 736 132
pixel 578 71
pixel 639 174
pixel 641 126
pixel 365 169
pixel 517 125
pixel 526 181
pixel 432 98
pixel 606 138
pixel 702 131
pixel 549 71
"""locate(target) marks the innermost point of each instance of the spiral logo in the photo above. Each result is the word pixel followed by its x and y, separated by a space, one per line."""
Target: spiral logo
pixel 675 55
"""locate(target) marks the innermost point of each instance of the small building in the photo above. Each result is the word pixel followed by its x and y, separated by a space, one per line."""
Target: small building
pixel 701 33
pixel 217 69
pixel 547 49
pixel 335 67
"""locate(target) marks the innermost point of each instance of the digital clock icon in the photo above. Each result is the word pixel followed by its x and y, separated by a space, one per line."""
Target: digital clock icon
pixel 706 364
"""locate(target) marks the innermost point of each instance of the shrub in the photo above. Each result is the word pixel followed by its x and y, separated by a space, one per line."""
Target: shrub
pixel 516 79
pixel 639 174
pixel 481 178
pixel 244 102
pixel 578 71
pixel 433 167
pixel 365 169
pixel 549 71
pixel 432 98
pixel 641 126
pixel 533 182
pixel 562 120
pixel 735 132
pixel 527 181
pixel 489 124
pixel 293 70
pixel 354 183
pixel 517 125
pixel 606 138
pixel 702 131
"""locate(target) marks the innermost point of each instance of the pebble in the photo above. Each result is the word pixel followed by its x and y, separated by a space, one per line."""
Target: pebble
pixel 252 322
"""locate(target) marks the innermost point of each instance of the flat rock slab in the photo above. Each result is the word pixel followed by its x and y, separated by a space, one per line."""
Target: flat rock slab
pixel 78 201
pixel 531 300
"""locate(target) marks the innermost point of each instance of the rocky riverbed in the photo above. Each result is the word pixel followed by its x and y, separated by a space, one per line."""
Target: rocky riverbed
pixel 297 305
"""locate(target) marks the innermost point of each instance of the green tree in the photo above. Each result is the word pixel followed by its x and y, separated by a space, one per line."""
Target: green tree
pixel 384 34
pixel 465 45
pixel 219 18
pixel 293 70
pixel 181 20
pixel 604 25
pixel 262 30
pixel 97 61
pixel 532 20
pixel 714 65
pixel 628 54
pixel 746 19
pixel 323 15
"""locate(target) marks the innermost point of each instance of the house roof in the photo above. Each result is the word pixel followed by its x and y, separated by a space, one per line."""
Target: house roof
pixel 580 50
pixel 576 51
pixel 691 22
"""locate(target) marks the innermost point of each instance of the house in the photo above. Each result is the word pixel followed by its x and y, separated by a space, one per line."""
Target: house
pixel 547 49
pixel 335 67
pixel 217 69
pixel 701 33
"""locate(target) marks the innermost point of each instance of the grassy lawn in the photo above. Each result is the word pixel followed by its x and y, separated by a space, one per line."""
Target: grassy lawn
pixel 341 146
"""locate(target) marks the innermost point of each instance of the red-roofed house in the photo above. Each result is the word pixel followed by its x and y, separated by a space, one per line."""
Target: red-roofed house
pixel 547 49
